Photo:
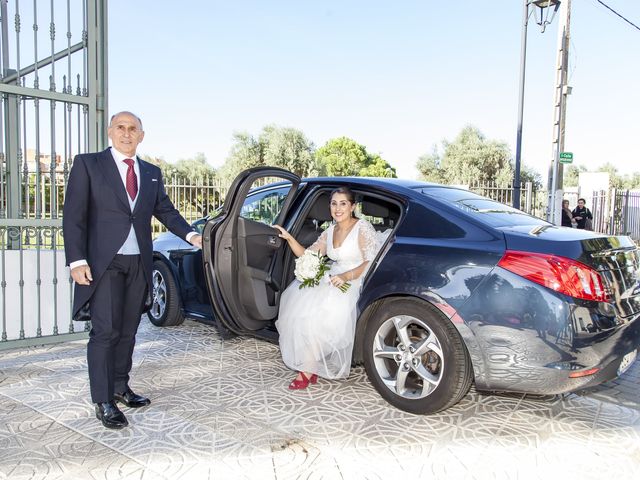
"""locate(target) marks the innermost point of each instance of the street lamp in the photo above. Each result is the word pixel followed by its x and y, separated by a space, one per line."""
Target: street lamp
pixel 543 14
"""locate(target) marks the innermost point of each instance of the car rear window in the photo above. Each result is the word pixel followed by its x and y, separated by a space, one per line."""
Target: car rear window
pixel 489 211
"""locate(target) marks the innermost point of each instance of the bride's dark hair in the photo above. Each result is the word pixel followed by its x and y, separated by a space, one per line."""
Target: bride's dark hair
pixel 347 192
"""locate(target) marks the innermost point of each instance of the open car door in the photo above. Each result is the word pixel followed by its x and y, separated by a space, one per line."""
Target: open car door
pixel 242 252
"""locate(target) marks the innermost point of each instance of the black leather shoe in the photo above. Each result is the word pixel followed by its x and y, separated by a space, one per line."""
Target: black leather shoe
pixel 131 400
pixel 110 415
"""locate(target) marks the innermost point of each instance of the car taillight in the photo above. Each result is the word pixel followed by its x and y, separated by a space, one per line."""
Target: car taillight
pixel 561 274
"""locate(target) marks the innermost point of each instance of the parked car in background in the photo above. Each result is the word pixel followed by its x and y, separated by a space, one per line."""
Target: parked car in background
pixel 464 289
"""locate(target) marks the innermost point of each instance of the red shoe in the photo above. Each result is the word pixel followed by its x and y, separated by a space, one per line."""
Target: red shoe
pixel 299 384
pixel 304 383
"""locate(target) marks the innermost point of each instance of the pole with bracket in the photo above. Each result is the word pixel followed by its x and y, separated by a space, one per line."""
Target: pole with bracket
pixel 554 204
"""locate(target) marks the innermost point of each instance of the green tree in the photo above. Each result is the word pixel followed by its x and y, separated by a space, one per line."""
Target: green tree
pixel 377 167
pixel 196 168
pixel 571 174
pixel 470 158
pixel 343 156
pixel 190 175
pixel 246 152
pixel 527 175
pixel 429 167
pixel 631 181
pixel 286 148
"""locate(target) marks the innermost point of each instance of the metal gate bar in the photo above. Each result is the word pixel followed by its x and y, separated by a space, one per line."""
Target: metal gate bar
pixel 53 106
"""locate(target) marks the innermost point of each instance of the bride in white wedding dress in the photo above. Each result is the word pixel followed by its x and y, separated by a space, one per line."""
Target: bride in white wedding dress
pixel 317 324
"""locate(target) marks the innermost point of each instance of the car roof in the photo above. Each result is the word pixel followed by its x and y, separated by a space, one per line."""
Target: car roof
pixel 406 187
pixel 391 184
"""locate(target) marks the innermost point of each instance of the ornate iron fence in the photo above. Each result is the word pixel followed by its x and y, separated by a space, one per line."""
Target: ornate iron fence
pixel 617 212
pixel 532 200
pixel 614 212
pixel 53 98
pixel 195 199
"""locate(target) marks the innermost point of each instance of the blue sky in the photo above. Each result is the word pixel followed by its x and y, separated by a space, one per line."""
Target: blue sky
pixel 398 77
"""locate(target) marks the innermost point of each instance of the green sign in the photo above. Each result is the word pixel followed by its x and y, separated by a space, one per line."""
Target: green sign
pixel 566 157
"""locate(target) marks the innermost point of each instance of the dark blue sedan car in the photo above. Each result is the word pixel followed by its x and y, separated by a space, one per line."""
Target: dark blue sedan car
pixel 464 289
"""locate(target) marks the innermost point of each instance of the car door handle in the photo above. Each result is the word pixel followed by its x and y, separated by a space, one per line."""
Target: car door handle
pixel 273 241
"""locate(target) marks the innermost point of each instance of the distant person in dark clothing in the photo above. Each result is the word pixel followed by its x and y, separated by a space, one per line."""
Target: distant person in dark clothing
pixel 581 214
pixel 567 215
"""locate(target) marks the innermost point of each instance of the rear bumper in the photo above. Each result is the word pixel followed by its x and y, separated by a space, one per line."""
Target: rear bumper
pixel 523 373
pixel 611 352
pixel 543 337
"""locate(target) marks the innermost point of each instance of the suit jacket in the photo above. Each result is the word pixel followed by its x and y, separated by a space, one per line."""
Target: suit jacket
pixel 97 217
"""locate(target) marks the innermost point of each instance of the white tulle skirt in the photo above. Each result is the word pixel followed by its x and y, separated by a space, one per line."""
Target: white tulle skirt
pixel 317 328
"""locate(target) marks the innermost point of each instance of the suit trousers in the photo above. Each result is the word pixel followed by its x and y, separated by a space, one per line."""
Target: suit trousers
pixel 116 307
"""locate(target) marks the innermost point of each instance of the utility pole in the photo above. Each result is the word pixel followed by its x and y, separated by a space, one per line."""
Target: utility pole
pixel 554 187
pixel 523 62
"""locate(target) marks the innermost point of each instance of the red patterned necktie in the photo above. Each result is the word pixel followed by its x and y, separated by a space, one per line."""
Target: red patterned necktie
pixel 132 180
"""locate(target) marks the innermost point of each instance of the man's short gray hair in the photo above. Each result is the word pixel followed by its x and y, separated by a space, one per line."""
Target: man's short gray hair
pixel 127 113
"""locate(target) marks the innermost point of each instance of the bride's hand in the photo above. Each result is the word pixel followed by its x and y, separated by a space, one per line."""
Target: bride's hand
pixel 337 280
pixel 283 233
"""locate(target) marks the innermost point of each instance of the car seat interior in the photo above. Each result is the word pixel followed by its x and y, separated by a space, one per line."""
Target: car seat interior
pixel 383 215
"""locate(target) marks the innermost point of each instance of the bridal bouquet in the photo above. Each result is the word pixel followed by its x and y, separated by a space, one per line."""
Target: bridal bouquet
pixel 311 267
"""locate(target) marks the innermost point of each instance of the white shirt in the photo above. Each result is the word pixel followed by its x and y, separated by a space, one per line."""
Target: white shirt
pixel 130 245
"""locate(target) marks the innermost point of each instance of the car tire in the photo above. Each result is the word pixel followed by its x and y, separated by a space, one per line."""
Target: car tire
pixel 415 357
pixel 166 308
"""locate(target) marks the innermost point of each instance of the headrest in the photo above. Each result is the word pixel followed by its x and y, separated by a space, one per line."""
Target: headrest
pixel 374 209
pixel 320 210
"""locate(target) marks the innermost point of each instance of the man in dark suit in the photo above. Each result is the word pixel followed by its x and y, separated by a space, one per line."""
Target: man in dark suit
pixel 110 199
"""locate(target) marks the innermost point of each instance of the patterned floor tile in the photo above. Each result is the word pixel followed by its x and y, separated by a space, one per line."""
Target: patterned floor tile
pixel 221 409
pixel 302 461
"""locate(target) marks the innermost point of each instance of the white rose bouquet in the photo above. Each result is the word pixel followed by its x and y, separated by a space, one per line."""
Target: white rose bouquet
pixel 311 267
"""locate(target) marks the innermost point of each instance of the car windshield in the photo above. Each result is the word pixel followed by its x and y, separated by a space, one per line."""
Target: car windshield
pixel 490 211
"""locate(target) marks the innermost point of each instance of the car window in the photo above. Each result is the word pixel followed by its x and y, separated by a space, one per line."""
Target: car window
pixel 490 211
pixel 450 194
pixel 381 213
pixel 264 206
pixel 199 225
pixel 374 220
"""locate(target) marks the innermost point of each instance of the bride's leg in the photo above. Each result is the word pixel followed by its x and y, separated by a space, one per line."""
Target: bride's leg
pixel 312 377
pixel 306 376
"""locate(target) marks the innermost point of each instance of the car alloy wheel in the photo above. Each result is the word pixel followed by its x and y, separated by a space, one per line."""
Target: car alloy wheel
pixel 159 296
pixel 415 357
pixel 165 309
pixel 408 357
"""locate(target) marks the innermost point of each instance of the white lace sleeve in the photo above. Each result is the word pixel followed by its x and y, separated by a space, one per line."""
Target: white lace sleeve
pixel 368 241
pixel 320 245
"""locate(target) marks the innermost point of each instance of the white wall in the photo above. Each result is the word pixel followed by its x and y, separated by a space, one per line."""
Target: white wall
pixel 590 182
pixel 14 265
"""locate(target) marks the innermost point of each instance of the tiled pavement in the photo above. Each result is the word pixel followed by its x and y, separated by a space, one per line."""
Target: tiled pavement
pixel 220 409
